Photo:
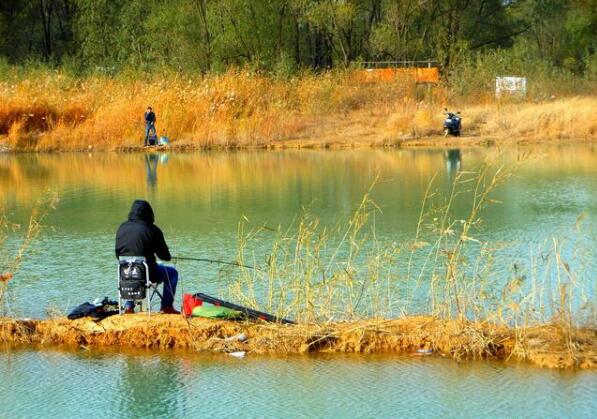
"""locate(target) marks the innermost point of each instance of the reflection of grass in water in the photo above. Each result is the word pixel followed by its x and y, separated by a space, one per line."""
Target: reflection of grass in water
pixel 11 257
pixel 235 173
pixel 316 273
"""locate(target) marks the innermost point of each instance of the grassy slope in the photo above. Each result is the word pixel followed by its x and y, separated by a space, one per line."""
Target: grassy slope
pixel 239 109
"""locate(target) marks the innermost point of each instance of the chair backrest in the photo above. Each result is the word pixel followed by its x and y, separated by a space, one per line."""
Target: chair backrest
pixel 133 277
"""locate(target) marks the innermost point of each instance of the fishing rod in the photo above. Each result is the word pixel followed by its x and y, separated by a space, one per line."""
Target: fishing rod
pixel 254 314
pixel 222 262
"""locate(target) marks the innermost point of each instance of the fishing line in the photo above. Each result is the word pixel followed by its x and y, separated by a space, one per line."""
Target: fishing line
pixel 222 262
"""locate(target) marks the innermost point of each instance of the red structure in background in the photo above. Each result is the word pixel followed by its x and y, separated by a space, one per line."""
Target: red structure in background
pixel 420 72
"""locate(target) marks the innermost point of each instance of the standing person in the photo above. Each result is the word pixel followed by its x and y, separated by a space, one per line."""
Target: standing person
pixel 149 124
pixel 139 236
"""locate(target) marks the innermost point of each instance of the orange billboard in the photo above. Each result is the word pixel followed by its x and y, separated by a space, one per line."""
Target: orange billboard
pixel 417 74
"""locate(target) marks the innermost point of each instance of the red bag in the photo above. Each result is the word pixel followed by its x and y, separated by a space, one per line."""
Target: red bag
pixel 189 302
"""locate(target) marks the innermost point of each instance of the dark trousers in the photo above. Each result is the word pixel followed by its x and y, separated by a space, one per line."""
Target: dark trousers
pixel 149 128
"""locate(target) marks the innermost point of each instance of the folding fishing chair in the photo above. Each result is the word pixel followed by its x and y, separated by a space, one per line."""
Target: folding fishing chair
pixel 133 282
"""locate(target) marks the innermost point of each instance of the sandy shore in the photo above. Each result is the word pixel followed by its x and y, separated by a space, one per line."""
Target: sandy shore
pixel 437 142
pixel 549 346
pixel 335 143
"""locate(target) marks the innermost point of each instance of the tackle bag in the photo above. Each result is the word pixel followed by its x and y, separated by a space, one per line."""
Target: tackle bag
pixel 82 310
pixel 99 312
pixel 189 302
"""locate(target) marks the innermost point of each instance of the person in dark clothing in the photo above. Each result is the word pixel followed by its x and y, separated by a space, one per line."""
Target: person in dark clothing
pixel 139 236
pixel 149 124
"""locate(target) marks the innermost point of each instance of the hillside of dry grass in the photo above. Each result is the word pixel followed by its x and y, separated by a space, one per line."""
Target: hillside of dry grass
pixel 56 112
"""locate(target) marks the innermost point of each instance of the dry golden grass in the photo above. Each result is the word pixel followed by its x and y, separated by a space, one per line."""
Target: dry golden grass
pixel 564 119
pixel 570 118
pixel 548 346
pixel 230 110
pixel 243 109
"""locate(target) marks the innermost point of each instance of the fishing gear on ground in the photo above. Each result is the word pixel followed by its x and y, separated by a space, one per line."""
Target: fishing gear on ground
pixel 192 302
pixel 96 310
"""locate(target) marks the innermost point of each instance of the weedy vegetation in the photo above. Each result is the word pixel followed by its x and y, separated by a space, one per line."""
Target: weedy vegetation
pixel 54 111
pixel 447 290
pixel 324 275
pixel 16 240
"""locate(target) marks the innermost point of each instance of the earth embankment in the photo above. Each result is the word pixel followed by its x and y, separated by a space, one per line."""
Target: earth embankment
pixel 552 346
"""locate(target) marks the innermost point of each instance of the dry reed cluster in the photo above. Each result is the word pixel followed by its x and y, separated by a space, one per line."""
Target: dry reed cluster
pixel 318 273
pixel 235 109
pixel 13 247
pixel 321 275
pixel 54 111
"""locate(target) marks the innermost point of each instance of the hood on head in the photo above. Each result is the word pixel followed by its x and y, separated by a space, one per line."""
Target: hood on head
pixel 141 211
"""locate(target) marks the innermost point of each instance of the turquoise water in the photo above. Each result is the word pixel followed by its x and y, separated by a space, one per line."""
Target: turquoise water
pixel 52 383
pixel 199 199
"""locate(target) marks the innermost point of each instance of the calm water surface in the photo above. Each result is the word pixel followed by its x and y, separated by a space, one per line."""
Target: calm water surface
pixel 50 383
pixel 199 199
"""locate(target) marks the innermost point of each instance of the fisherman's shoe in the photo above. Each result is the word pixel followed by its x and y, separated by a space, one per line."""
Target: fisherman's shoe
pixel 169 310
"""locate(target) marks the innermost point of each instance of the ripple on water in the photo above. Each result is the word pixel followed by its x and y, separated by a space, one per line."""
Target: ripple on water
pixel 173 384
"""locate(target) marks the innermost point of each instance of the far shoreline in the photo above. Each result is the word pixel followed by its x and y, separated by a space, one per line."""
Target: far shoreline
pixel 429 142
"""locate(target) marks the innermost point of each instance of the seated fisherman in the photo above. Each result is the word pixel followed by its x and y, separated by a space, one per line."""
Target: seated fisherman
pixel 149 125
pixel 139 236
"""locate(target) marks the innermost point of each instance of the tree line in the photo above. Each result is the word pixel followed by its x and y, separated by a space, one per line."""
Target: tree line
pixel 290 35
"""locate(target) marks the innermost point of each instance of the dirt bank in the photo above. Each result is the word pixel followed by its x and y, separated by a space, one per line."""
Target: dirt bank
pixel 333 143
pixel 547 346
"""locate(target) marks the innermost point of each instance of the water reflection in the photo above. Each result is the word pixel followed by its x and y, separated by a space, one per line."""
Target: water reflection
pixel 206 176
pixel 453 162
pixel 151 164
pixel 151 168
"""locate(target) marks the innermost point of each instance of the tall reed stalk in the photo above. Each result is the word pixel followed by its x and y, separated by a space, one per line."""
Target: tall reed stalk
pixel 319 273
pixel 16 240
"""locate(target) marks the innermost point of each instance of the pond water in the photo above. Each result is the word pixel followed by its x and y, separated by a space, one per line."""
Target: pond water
pixel 199 199
pixel 54 383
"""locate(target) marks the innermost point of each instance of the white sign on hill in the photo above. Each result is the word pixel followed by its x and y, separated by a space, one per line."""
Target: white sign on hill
pixel 510 86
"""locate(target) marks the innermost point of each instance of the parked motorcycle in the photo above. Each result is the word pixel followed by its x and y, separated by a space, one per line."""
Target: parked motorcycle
pixel 452 124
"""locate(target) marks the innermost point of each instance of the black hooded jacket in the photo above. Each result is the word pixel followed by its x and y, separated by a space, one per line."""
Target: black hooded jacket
pixel 139 236
pixel 149 116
